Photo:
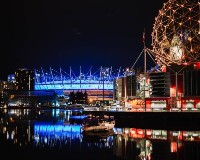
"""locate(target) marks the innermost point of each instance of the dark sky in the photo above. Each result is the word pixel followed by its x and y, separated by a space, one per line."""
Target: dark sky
pixel 63 33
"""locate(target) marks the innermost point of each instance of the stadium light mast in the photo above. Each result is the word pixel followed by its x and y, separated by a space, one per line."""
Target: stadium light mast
pixel 102 78
pixel 80 77
pixel 70 74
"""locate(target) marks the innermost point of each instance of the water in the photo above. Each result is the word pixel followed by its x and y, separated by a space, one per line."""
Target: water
pixel 56 134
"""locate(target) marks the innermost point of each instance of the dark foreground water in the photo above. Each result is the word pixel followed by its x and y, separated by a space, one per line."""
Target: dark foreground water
pixel 57 135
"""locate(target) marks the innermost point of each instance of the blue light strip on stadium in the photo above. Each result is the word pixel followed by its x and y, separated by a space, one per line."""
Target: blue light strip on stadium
pixel 73 86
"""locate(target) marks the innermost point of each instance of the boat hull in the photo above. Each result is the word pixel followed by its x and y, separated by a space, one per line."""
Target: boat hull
pixel 101 127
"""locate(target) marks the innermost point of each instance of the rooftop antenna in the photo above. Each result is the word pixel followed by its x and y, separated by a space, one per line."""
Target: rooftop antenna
pixel 145 61
pixel 119 72
pixel 145 57
pixel 143 51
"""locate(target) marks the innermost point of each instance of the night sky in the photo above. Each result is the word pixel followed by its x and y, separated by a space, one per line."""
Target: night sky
pixel 64 33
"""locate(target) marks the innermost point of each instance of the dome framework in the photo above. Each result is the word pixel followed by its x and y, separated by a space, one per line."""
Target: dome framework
pixel 176 33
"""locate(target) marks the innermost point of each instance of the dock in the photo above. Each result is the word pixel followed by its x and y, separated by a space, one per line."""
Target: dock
pixel 156 120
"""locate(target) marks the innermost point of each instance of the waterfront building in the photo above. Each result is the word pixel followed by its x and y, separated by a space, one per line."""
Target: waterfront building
pixel 22 98
pixel 19 90
pixel 25 79
pixel 7 85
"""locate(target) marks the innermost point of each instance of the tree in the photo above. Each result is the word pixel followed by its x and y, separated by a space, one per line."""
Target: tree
pixel 85 96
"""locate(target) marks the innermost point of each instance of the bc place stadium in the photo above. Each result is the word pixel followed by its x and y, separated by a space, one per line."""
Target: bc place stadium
pixel 97 84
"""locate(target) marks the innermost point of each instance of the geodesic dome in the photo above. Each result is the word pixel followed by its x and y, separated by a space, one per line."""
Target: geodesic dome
pixel 176 32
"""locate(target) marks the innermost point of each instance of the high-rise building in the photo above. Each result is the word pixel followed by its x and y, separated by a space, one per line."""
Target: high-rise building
pixel 25 79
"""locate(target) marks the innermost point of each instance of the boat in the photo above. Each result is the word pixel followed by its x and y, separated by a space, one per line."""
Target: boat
pixel 115 107
pixel 99 127
pixel 97 136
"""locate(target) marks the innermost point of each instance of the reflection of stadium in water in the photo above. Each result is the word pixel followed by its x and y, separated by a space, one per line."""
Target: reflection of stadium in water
pixel 50 134
pixel 18 129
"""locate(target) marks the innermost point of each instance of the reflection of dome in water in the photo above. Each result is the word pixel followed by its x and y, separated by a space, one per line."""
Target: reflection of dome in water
pixel 176 32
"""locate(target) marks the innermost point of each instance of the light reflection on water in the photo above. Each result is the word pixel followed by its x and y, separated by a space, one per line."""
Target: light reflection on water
pixel 55 131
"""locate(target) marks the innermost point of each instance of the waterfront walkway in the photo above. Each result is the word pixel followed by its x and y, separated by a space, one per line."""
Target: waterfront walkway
pixel 157 119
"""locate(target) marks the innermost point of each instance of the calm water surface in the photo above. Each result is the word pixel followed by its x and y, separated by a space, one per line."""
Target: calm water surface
pixel 56 134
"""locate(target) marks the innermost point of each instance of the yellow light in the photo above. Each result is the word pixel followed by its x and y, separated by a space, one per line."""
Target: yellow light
pixel 189 39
